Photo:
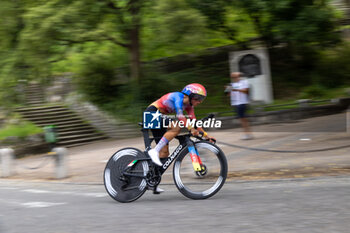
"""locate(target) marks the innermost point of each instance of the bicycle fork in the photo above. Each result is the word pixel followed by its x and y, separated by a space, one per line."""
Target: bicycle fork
pixel 196 160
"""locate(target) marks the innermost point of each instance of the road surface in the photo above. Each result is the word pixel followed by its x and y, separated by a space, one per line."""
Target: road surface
pixel 285 205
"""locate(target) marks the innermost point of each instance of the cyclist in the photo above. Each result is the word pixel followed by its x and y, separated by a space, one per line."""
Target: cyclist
pixel 175 102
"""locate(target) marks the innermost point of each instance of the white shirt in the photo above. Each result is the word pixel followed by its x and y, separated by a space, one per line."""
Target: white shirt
pixel 238 97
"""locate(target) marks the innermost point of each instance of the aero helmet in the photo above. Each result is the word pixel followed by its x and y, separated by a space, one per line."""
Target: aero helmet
pixel 195 91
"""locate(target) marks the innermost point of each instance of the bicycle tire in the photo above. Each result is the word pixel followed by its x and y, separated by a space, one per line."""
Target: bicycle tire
pixel 117 188
pixel 196 186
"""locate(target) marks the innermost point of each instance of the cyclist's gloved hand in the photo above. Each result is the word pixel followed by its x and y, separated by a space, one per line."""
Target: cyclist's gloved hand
pixel 209 138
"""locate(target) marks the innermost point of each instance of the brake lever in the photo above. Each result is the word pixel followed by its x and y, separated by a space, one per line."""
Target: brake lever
pixel 211 140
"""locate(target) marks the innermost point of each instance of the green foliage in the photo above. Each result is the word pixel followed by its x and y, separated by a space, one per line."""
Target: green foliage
pixel 330 69
pixel 21 130
pixel 50 31
pixel 12 67
pixel 131 100
pixel 10 76
pixel 155 84
pixel 314 92
pixel 91 38
pixel 95 78
pixel 216 14
pixel 126 108
pixel 333 68
pixel 299 24
pixel 172 28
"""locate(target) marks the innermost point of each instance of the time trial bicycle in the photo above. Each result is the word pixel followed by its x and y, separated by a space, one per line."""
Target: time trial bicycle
pixel 199 171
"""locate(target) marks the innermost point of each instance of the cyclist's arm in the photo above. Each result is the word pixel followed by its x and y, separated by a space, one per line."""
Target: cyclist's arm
pixel 190 112
pixel 178 103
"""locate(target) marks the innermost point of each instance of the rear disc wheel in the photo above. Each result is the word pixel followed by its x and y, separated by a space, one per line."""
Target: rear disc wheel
pixel 121 187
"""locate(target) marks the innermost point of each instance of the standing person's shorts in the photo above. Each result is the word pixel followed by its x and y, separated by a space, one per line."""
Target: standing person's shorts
pixel 241 110
pixel 157 133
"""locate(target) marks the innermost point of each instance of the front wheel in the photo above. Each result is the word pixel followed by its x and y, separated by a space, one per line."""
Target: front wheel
pixel 201 184
pixel 124 175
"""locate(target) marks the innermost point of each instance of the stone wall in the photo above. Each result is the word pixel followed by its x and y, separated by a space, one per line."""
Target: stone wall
pixel 60 87
pixel 109 125
pixel 62 90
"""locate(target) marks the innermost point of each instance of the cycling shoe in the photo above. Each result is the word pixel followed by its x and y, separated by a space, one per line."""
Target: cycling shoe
pixel 154 155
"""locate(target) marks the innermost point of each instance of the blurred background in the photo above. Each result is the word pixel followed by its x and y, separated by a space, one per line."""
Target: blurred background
pixel 118 56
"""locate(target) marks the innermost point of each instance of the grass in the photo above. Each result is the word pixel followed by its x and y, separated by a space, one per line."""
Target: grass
pixel 21 130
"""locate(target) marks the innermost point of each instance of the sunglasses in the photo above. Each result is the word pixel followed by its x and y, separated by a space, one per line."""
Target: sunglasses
pixel 198 97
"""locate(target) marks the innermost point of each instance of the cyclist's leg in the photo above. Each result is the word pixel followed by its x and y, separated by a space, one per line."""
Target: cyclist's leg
pixel 164 152
pixel 162 137
pixel 172 132
pixel 161 150
pixel 158 138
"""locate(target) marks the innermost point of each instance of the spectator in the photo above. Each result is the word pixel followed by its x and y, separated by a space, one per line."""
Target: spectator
pixel 239 93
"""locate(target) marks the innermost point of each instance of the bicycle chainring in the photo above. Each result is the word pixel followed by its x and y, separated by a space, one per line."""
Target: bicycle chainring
pixel 153 177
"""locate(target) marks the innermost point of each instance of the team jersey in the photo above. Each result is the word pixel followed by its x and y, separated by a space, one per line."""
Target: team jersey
pixel 173 103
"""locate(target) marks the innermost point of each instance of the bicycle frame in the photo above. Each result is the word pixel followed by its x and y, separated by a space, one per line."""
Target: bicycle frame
pixel 129 178
pixel 185 143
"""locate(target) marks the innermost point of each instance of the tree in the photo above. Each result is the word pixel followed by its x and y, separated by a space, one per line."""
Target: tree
pixel 297 23
pixel 216 12
pixel 54 27
pixel 12 65
pixel 293 22
pixel 172 27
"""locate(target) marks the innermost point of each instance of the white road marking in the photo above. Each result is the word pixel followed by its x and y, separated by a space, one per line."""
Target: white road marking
pixel 8 188
pixel 39 191
pixel 36 191
pixel 95 194
pixel 41 204
pixel 305 139
pixel 48 204
pixel 31 204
